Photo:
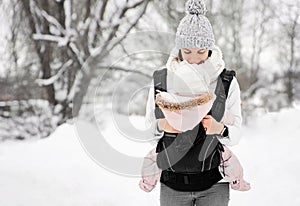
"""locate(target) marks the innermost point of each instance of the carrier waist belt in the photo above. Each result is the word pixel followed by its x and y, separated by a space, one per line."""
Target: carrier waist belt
pixel 191 181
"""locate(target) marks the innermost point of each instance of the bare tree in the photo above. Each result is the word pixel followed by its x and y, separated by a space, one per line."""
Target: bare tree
pixel 228 24
pixel 288 17
pixel 72 37
pixel 260 41
pixel 17 43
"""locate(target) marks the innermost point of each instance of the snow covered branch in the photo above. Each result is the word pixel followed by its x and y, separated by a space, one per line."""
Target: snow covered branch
pixel 34 11
pixel 118 40
pixel 98 15
pixel 51 80
pixel 47 37
pixel 96 51
pixel 133 4
pixel 99 9
pixel 68 14
pixel 124 70
pixel 76 51
pixel 53 21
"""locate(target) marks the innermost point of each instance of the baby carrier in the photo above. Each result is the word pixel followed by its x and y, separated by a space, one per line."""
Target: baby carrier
pixel 190 160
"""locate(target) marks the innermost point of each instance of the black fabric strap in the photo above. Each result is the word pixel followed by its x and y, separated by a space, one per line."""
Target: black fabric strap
pixel 191 182
pixel 221 92
pixel 160 83
pixel 227 77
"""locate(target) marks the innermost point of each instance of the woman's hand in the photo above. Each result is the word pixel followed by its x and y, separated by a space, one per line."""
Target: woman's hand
pixel 164 125
pixel 211 125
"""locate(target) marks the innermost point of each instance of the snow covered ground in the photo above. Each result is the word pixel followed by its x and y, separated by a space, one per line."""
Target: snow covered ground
pixel 57 170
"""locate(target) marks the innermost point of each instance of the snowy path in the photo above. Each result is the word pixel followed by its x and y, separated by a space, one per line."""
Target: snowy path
pixel 57 171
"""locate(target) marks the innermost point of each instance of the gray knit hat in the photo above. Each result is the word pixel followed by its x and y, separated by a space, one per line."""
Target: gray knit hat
pixel 195 30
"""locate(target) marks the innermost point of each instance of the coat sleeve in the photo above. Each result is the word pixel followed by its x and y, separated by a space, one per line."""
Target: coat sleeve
pixel 233 105
pixel 150 120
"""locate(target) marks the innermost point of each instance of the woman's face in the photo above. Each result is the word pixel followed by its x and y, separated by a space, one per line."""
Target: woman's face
pixel 194 55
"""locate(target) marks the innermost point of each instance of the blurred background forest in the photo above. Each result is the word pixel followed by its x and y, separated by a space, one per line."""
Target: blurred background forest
pixel 54 53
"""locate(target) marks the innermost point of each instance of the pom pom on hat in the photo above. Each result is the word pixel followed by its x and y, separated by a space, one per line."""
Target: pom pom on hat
pixel 195 30
pixel 195 7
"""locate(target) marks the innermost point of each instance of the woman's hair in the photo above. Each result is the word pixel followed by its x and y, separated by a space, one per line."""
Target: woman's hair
pixel 180 58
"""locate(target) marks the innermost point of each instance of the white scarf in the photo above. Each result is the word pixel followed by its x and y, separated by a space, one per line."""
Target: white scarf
pixel 214 65
pixel 187 78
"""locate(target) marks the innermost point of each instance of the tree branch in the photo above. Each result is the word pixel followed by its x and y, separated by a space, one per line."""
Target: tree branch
pixel 103 48
pixel 51 80
pixel 117 41
pixel 68 14
pixel 47 37
pixel 124 70
pixel 52 21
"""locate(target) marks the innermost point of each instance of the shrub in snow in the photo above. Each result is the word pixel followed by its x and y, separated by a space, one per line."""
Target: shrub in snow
pixel 30 119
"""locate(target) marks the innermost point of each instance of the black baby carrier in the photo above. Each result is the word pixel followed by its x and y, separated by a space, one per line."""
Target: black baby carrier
pixel 190 160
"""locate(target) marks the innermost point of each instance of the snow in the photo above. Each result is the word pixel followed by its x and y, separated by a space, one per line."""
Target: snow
pixel 58 171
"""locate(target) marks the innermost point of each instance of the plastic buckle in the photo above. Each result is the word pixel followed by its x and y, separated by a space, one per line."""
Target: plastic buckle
pixel 226 78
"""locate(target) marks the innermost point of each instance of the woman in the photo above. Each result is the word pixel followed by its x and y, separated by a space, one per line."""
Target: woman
pixel 195 43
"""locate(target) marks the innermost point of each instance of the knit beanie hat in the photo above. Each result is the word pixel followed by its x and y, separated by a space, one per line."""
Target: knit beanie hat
pixel 195 30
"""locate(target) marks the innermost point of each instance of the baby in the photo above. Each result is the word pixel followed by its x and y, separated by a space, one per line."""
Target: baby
pixel 185 104
pixel 188 98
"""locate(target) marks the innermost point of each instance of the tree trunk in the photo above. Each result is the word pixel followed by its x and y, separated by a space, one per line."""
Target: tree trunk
pixel 43 49
pixel 290 92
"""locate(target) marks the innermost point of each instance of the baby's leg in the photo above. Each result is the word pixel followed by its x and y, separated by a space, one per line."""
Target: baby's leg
pixel 233 171
pixel 150 172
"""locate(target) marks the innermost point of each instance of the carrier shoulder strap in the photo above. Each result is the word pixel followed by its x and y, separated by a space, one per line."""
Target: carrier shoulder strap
pixel 221 92
pixel 227 77
pixel 160 84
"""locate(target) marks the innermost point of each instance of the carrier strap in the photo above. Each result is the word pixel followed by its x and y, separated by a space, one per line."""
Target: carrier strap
pixel 160 83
